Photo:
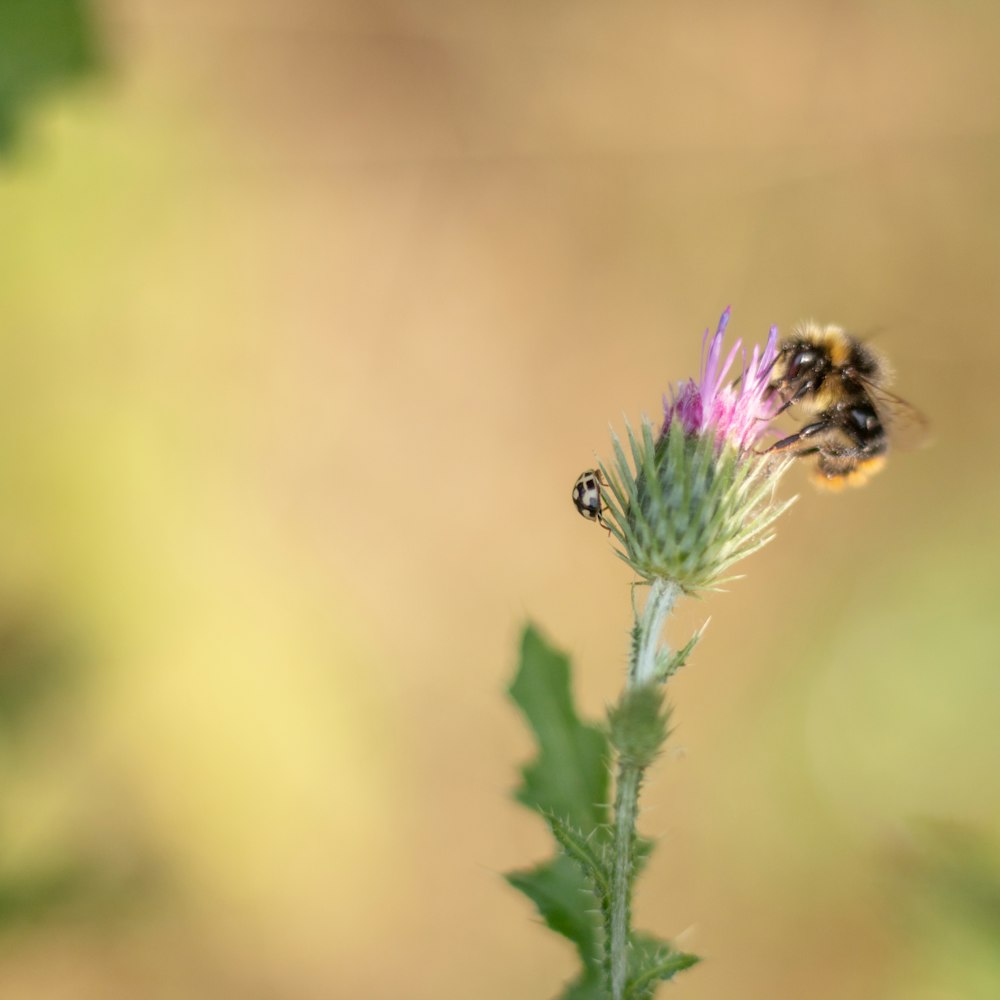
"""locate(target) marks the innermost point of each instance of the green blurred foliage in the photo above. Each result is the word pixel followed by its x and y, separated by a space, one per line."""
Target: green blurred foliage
pixel 34 667
pixel 31 898
pixel 949 889
pixel 41 670
pixel 34 670
pixel 956 869
pixel 44 44
pixel 876 751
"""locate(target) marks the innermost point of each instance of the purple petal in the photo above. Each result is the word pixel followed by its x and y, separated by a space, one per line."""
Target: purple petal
pixel 724 320
pixel 730 358
pixel 770 351
pixel 711 366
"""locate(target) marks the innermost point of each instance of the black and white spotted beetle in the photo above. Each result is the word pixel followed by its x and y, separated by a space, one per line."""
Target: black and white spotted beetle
pixel 587 495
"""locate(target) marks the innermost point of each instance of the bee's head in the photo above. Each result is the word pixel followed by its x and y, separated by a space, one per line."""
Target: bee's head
pixel 798 360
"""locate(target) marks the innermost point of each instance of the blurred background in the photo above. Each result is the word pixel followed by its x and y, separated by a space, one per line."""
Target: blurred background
pixel 310 314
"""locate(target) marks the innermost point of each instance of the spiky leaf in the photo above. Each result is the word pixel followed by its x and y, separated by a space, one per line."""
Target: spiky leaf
pixel 569 777
pixel 652 962
pixel 588 852
pixel 561 893
pixel 674 661
pixel 585 988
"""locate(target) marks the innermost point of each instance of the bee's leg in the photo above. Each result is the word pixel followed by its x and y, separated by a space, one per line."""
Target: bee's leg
pixel 791 401
pixel 802 390
pixel 793 439
pixel 843 452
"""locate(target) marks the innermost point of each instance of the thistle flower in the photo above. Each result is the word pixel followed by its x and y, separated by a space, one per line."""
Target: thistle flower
pixel 699 496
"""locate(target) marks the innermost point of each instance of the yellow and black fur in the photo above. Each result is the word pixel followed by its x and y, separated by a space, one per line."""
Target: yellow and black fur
pixel 836 379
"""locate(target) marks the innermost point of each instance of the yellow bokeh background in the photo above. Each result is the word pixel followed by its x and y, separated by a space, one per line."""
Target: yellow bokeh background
pixel 310 314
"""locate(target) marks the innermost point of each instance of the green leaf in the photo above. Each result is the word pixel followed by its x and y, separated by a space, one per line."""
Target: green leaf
pixel 585 988
pixel 587 852
pixel 569 777
pixel 652 962
pixel 562 895
pixel 641 851
pixel 676 660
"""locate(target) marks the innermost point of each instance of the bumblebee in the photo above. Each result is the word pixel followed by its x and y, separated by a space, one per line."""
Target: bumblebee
pixel 841 383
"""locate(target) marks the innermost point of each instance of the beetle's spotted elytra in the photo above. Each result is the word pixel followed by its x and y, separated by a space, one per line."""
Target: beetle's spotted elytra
pixel 587 496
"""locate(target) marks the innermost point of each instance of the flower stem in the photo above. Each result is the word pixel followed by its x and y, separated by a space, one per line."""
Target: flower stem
pixel 642 670
pixel 647 630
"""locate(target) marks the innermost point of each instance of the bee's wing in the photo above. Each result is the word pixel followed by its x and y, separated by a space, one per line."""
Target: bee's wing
pixel 908 427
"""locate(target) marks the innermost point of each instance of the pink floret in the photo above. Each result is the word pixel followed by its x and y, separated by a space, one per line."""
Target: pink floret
pixel 736 410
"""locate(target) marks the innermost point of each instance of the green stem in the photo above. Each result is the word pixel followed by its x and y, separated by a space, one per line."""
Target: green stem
pixel 642 670
pixel 647 631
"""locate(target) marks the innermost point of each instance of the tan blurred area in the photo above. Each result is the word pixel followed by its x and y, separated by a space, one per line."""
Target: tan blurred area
pixel 310 314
